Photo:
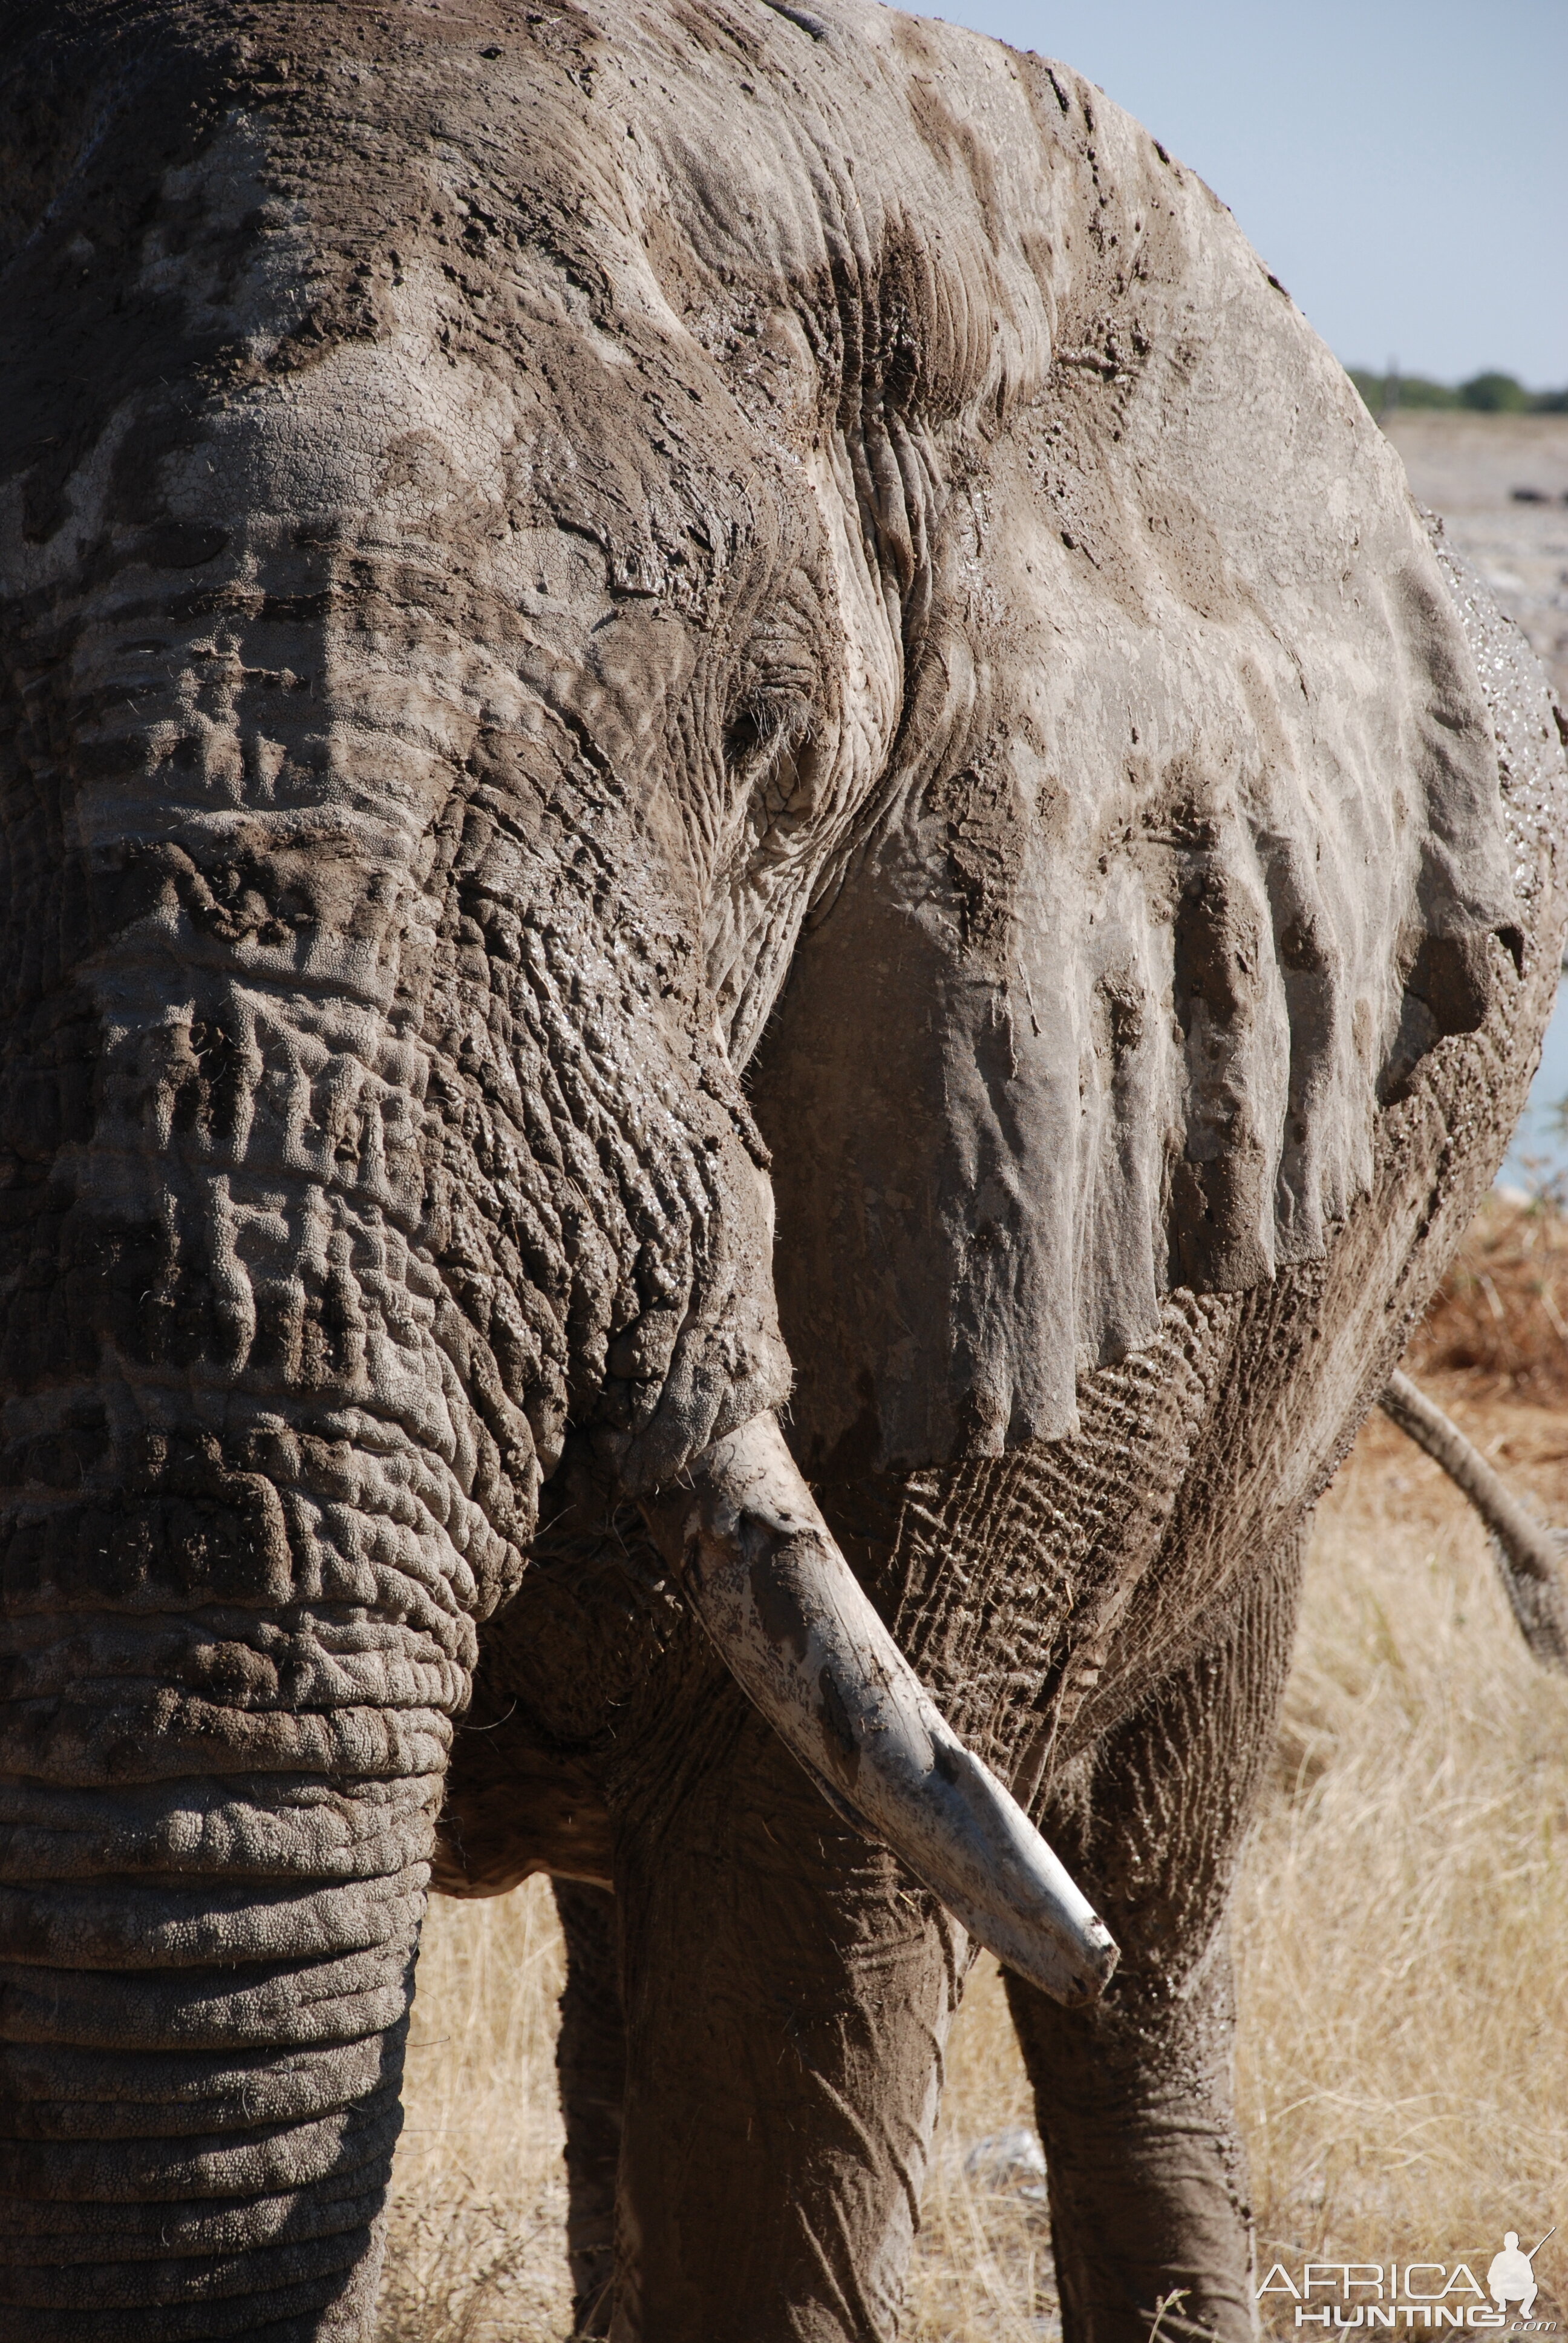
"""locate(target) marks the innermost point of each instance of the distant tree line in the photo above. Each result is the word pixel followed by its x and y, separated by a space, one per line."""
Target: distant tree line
pixel 1483 394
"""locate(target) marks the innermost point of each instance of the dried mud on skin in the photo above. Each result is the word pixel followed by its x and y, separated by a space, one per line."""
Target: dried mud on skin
pixel 1402 2068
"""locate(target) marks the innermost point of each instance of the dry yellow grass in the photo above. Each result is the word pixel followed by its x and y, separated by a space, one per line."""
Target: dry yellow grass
pixel 1404 1914
pixel 1500 1314
pixel 476 2251
pixel 1402 1934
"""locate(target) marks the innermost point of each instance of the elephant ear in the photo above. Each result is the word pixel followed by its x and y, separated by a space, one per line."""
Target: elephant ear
pixel 1193 846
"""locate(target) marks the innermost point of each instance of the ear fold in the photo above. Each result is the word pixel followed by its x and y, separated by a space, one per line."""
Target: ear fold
pixel 1193 847
pixel 922 1116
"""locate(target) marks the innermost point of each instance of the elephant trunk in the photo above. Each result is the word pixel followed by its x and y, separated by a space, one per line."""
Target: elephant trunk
pixel 264 1457
pixel 800 1637
pixel 216 1825
pixel 354 1134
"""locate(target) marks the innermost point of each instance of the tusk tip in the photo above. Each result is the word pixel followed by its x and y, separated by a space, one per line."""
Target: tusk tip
pixel 1101 1954
pixel 1074 1971
pixel 1069 1955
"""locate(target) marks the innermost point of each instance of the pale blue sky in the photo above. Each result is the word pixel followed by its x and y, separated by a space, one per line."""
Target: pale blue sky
pixel 1401 165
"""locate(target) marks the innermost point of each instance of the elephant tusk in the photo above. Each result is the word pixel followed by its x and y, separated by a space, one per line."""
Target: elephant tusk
pixel 797 1631
pixel 1529 1557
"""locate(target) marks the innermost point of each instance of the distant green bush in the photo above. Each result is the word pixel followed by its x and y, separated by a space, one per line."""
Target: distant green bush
pixel 1489 393
pixel 1495 394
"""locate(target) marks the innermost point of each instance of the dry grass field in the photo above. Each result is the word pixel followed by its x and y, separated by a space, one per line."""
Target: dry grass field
pixel 1401 1925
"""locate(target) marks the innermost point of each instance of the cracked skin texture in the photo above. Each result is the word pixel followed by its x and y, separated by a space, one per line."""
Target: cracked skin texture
pixel 550 558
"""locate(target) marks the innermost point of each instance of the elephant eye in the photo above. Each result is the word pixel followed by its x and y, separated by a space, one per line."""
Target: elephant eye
pixel 764 727
pixel 743 737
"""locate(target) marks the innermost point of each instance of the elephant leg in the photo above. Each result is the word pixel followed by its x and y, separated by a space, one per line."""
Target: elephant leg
pixel 590 2062
pixel 788 1993
pixel 1147 2175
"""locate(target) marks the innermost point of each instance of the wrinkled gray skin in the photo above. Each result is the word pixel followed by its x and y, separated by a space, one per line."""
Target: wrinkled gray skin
pixel 551 557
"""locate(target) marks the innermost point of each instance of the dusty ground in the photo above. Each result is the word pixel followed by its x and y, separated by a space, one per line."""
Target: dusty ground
pixel 1467 467
pixel 1403 2075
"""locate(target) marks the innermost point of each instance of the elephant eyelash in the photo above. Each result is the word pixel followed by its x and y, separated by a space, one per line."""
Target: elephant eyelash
pixel 762 732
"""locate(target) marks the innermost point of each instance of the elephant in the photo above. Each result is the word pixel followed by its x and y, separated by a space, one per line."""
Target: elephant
pixel 766 914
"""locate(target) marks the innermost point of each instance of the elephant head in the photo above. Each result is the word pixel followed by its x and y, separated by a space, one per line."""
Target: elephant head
pixel 534 543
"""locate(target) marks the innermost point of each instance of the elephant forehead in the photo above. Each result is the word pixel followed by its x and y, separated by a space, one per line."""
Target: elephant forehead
pixel 373 428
